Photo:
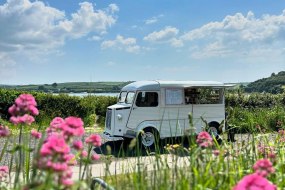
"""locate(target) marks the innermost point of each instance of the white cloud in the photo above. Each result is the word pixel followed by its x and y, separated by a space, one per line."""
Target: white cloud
pixel 239 35
pixel 113 8
pixel 36 28
pixel 176 42
pixel 121 43
pixel 153 19
pixel 95 38
pixel 87 20
pixel 163 35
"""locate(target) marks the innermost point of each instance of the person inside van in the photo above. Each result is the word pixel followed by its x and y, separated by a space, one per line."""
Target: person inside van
pixel 191 96
pixel 152 100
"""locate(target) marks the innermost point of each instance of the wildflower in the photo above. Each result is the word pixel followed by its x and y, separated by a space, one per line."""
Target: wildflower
pixel 55 125
pixel 23 110
pixel 65 178
pixel 281 132
pixel 3 172
pixel 216 152
pixel 66 182
pixel 56 157
pixel 254 181
pixel 73 126
pixel 36 134
pixel 25 119
pixel 4 169
pixel 77 145
pixel 55 144
pixel 263 167
pixel 4 131
pixel 25 103
pixel 95 157
pixel 95 140
pixel 84 153
pixel 204 139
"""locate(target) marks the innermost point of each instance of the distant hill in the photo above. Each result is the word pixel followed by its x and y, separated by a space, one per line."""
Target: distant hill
pixel 75 87
pixel 274 84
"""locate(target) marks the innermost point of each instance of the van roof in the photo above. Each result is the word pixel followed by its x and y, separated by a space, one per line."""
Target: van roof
pixel 155 85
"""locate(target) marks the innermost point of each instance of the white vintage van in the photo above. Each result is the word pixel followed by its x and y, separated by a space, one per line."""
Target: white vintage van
pixel 162 108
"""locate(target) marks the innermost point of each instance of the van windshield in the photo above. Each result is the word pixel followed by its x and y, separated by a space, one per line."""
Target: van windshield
pixel 126 97
pixel 130 97
pixel 122 97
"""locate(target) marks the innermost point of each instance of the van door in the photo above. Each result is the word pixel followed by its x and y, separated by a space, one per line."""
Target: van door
pixel 209 106
pixel 145 108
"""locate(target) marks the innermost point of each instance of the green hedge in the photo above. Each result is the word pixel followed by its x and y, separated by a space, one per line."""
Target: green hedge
pixel 254 100
pixel 62 105
pixel 246 110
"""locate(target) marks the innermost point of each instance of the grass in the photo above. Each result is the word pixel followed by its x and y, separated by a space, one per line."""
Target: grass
pixel 192 167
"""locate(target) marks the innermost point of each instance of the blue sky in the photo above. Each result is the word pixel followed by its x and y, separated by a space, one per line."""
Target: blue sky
pixel 42 42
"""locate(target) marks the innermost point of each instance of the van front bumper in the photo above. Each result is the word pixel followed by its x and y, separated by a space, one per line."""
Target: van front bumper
pixel 108 137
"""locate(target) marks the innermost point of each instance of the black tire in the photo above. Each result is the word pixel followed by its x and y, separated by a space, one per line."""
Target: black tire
pixel 149 138
pixel 214 131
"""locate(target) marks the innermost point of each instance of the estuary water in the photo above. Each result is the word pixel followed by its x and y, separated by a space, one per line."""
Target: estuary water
pixel 93 94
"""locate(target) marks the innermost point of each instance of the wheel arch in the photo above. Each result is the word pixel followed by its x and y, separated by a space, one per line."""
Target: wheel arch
pixel 147 125
pixel 215 124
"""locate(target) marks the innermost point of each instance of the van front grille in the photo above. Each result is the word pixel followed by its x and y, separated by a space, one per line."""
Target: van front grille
pixel 108 119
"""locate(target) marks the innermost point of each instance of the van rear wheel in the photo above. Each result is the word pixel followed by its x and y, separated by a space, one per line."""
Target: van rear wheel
pixel 149 137
pixel 214 131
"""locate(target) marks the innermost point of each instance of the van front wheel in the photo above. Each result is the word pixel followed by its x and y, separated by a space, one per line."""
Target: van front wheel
pixel 149 137
pixel 213 130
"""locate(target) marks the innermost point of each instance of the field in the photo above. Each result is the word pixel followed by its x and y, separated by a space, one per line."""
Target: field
pixel 45 156
pixel 75 87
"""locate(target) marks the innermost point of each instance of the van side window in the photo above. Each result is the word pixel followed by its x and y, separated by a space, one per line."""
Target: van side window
pixel 211 96
pixel 147 99
pixel 174 96
pixel 203 96
pixel 191 96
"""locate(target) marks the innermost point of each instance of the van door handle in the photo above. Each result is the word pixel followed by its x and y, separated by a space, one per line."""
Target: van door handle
pixel 134 108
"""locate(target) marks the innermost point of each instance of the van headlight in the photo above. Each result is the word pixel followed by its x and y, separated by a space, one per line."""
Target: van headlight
pixel 120 117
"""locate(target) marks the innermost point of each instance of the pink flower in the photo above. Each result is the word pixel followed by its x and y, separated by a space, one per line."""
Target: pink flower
pixel 24 104
pixel 66 182
pixel 281 132
pixel 204 139
pixel 263 167
pixel 254 182
pixel 216 152
pixel 3 172
pixel 57 166
pixel 4 169
pixel 95 157
pixel 25 119
pixel 55 125
pixel 4 131
pixel 55 144
pixel 36 134
pixel 23 110
pixel 95 140
pixel 78 145
pixel 84 153
pixel 73 126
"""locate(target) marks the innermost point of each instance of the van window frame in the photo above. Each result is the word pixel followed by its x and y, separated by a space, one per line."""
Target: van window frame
pixel 126 98
pixel 181 98
pixel 146 106
pixel 196 97
pixel 119 98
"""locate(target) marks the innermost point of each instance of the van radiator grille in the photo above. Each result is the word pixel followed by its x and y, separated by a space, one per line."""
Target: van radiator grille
pixel 108 119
